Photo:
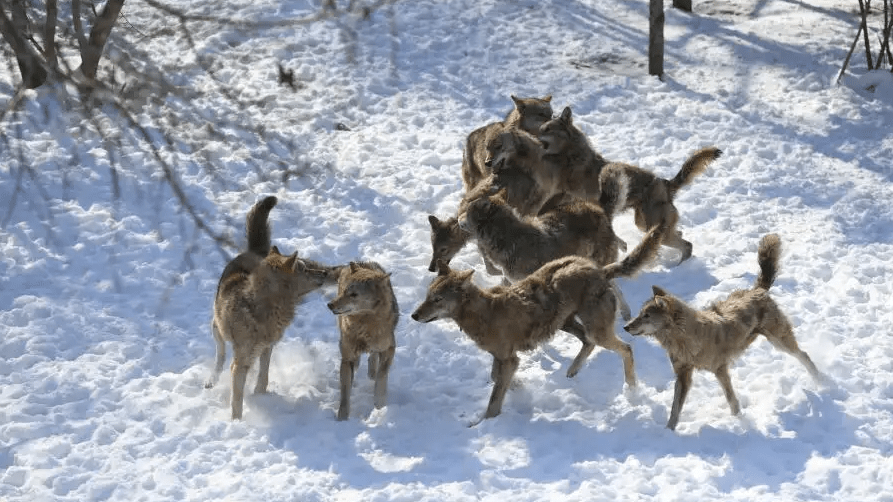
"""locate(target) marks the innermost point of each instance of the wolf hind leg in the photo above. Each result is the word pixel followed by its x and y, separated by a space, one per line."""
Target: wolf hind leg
pixel 221 356
pixel 372 363
pixel 781 335
pixel 725 381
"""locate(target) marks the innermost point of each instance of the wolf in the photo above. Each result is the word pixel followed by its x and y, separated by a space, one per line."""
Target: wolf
pixel 367 316
pixel 520 245
pixel 528 114
pixel 568 152
pixel 255 301
pixel 504 320
pixel 713 338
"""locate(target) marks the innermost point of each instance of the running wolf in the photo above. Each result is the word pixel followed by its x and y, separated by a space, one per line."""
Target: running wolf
pixel 367 316
pixel 713 338
pixel 503 320
pixel 568 152
pixel 528 114
pixel 520 245
pixel 255 301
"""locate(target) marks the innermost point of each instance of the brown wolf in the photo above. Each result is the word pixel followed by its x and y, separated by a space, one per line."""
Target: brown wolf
pixel 255 301
pixel 528 114
pixel 367 316
pixel 713 338
pixel 520 245
pixel 568 152
pixel 506 319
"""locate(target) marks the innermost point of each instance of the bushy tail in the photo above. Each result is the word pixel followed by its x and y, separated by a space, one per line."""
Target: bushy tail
pixel 767 256
pixel 695 165
pixel 614 188
pixel 257 229
pixel 642 254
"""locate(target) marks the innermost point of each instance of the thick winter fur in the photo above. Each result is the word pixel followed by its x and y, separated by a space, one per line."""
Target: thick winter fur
pixel 367 316
pixel 713 338
pixel 504 320
pixel 567 151
pixel 651 197
pixel 517 159
pixel 520 245
pixel 255 301
pixel 528 114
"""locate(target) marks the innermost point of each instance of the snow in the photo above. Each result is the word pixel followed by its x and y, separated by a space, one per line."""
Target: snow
pixel 105 303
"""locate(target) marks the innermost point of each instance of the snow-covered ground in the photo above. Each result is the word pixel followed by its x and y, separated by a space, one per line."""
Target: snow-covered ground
pixel 105 304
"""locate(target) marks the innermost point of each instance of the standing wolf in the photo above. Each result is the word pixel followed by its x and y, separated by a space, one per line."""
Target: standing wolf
pixel 568 152
pixel 367 316
pixel 713 338
pixel 255 301
pixel 528 114
pixel 506 319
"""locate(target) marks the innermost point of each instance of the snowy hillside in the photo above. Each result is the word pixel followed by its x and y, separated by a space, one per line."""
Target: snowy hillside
pixel 105 305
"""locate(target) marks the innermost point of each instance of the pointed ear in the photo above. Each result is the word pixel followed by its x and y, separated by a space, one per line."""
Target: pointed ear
pixel 518 103
pixel 658 291
pixel 466 276
pixel 442 268
pixel 291 262
pixel 433 221
pixel 502 194
pixel 275 250
pixel 566 115
pixel 354 267
pixel 548 98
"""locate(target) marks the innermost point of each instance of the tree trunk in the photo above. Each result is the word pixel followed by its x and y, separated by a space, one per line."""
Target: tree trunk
pixel 91 52
pixel 13 27
pixel 49 34
pixel 656 38
pixel 684 5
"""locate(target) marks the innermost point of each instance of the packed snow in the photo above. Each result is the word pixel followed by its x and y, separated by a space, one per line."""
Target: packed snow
pixel 105 301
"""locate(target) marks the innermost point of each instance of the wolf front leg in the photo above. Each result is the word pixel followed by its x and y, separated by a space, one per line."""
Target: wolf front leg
pixel 381 377
pixel 507 368
pixel 683 384
pixel 347 371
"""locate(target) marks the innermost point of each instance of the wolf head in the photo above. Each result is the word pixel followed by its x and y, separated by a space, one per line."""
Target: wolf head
pixel 447 239
pixel 656 317
pixel 360 289
pixel 483 209
pixel 289 274
pixel 445 294
pixel 530 113
pixel 511 147
pixel 556 134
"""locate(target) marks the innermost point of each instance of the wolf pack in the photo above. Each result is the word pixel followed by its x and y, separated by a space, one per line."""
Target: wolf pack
pixel 538 202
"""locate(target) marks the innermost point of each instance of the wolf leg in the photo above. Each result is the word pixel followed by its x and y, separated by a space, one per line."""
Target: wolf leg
pixel 239 370
pixel 263 374
pixel 221 356
pixel 683 384
pixel 385 359
pixel 507 368
pixel 347 370
pixel 725 381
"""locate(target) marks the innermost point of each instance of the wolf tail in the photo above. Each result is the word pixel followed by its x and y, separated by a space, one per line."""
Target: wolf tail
pixel 695 165
pixel 640 255
pixel 614 189
pixel 767 256
pixel 257 229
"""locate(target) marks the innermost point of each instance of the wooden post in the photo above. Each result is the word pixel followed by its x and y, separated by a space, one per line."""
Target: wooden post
pixel 656 38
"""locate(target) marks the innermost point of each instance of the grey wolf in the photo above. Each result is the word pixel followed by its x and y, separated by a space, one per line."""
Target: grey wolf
pixel 711 339
pixel 504 320
pixel 567 151
pixel 367 316
pixel 255 301
pixel 520 245
pixel 528 114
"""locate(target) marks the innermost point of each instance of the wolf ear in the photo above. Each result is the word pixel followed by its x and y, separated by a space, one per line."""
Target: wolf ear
pixel 466 276
pixel 442 268
pixel 658 291
pixel 548 98
pixel 292 263
pixel 502 194
pixel 433 221
pixel 274 250
pixel 518 103
pixel 566 115
pixel 354 267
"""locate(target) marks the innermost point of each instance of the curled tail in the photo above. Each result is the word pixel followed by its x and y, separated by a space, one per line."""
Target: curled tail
pixel 640 255
pixel 614 188
pixel 257 229
pixel 695 165
pixel 767 256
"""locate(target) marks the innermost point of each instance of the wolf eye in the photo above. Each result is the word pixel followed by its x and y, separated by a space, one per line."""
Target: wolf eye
pixel 353 294
pixel 437 299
